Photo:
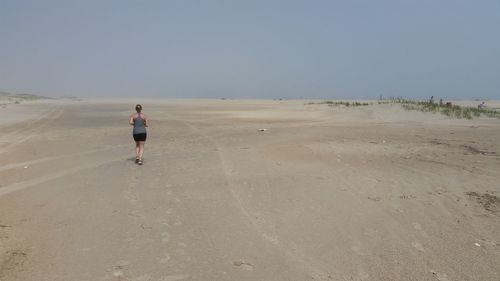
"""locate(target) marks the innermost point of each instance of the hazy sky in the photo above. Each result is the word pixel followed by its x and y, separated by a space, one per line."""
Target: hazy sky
pixel 323 49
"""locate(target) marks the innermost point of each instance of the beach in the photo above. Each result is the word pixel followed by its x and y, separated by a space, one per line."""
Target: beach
pixel 236 189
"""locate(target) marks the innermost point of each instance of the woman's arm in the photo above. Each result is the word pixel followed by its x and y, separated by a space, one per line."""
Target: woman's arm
pixel 146 121
pixel 131 121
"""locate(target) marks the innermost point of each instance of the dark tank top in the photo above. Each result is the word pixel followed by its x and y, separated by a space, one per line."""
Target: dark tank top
pixel 139 127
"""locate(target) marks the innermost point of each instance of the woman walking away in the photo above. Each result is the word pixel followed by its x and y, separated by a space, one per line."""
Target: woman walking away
pixel 140 122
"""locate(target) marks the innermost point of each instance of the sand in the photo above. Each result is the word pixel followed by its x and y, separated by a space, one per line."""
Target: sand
pixel 324 193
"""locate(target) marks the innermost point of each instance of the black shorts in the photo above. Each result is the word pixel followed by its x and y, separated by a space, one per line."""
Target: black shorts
pixel 140 137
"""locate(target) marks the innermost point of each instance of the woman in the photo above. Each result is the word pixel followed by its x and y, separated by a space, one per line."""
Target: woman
pixel 140 122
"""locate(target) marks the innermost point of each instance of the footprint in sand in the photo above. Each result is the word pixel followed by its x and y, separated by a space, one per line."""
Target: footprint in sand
pixel 358 250
pixel 418 246
pixel 419 228
pixel 165 237
pixel 118 272
pixel 135 214
pixel 243 265
pixel 371 232
pixel 440 276
pixel 165 259
pixel 363 276
pixel 131 198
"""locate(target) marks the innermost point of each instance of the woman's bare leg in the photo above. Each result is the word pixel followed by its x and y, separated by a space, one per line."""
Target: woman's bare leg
pixel 137 149
pixel 141 149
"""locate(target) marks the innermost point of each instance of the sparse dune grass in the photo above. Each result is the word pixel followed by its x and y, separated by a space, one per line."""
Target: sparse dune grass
pixel 454 111
pixel 345 103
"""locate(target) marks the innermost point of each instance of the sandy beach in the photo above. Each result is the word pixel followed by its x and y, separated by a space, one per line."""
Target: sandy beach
pixel 247 190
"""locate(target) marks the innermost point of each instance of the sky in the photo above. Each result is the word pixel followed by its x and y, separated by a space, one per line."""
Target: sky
pixel 251 49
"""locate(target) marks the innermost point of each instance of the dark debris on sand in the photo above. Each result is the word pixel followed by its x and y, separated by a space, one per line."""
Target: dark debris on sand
pixel 488 200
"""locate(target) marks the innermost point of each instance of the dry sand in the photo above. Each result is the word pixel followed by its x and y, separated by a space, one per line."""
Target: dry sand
pixel 325 193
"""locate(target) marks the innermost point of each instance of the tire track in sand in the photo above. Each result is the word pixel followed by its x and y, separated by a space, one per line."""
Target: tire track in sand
pixel 29 183
pixel 52 158
pixel 30 130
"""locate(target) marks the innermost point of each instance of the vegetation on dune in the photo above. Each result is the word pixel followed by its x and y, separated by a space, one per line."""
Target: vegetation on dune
pixel 18 98
pixel 454 111
pixel 447 109
pixel 345 103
